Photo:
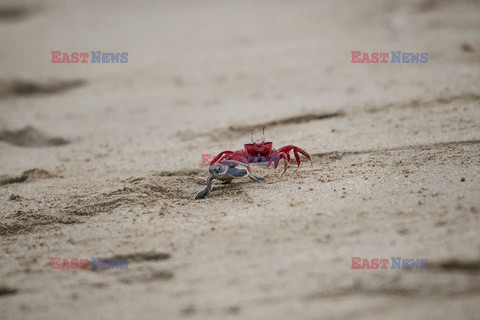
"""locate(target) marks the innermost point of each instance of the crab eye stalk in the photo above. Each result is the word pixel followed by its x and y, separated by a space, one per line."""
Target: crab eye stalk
pixel 253 138
pixel 264 137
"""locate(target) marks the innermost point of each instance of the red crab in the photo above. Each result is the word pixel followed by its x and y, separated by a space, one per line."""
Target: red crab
pixel 262 152
pixel 224 165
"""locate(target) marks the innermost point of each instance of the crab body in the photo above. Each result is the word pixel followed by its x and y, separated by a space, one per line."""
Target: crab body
pixel 224 166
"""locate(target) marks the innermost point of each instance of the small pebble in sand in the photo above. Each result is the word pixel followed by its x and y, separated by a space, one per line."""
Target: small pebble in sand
pixel 462 179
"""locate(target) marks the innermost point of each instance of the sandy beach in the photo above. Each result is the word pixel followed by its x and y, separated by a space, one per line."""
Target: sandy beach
pixel 103 160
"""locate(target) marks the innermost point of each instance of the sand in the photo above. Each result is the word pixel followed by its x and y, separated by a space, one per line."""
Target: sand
pixel 104 160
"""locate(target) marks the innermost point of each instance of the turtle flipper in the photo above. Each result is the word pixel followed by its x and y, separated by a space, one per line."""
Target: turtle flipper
pixel 202 194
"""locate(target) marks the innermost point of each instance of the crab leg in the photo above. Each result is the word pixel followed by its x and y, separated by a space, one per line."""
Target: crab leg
pixel 220 155
pixel 297 158
pixel 296 150
pixel 275 157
